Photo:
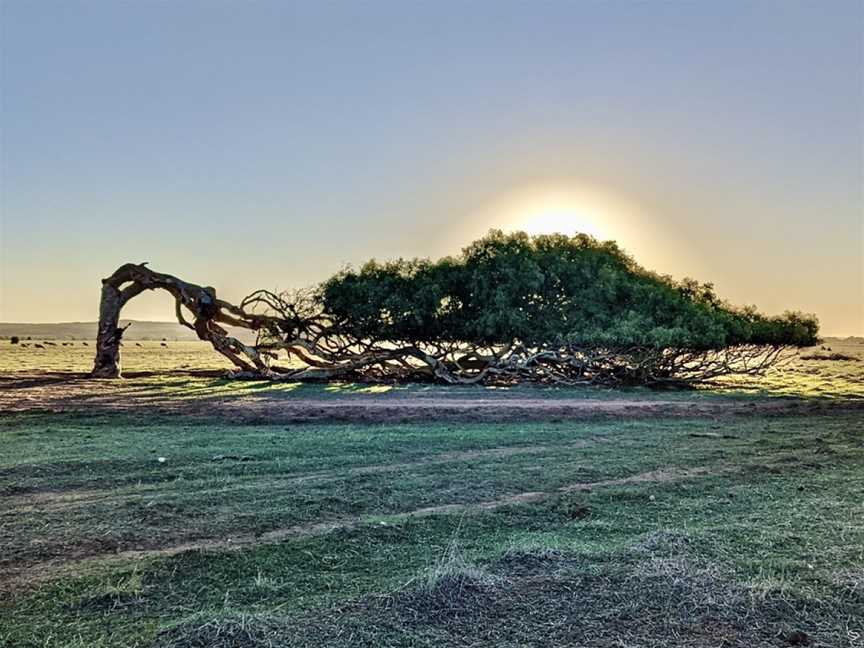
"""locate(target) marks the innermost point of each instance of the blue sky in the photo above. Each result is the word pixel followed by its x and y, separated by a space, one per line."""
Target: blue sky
pixel 266 144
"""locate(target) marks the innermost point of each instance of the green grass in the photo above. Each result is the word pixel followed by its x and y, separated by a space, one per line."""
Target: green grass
pixel 767 539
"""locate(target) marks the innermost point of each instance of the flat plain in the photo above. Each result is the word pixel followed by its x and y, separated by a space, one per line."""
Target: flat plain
pixel 178 508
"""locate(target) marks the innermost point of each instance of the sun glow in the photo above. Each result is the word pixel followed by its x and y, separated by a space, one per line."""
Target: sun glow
pixel 553 211
pixel 559 208
pixel 568 221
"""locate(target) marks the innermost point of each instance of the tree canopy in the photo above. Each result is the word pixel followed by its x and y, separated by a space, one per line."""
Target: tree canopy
pixel 546 290
pixel 510 308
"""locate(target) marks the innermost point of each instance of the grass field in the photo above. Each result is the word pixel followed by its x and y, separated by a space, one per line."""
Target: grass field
pixel 147 512
pixel 802 377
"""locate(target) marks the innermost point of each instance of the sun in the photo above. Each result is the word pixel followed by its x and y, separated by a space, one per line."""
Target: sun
pixel 560 220
pixel 551 209
pixel 558 211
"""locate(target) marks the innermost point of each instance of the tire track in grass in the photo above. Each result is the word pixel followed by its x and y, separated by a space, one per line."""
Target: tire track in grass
pixel 654 476
pixel 49 501
pixel 14 579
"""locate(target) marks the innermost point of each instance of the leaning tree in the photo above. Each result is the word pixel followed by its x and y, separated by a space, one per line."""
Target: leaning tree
pixel 509 308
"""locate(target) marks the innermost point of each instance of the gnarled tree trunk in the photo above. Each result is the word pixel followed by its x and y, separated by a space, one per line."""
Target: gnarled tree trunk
pixel 107 363
pixel 130 280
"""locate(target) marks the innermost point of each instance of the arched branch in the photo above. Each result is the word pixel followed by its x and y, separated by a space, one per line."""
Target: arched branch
pixel 130 280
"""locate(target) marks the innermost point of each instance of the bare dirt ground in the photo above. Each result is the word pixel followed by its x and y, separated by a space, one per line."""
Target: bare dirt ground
pixel 66 392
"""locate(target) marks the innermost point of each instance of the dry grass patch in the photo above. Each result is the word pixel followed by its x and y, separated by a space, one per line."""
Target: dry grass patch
pixel 660 592
pixel 242 631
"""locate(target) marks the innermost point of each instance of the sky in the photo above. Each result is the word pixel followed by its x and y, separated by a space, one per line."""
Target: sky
pixel 261 144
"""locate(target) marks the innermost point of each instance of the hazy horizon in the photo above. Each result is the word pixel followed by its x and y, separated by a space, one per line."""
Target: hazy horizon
pixel 266 145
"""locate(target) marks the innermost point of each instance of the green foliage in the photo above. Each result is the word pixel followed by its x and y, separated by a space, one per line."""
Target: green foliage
pixel 546 290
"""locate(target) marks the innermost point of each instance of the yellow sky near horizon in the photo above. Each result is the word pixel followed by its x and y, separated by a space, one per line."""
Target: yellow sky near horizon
pixel 537 209
pixel 267 144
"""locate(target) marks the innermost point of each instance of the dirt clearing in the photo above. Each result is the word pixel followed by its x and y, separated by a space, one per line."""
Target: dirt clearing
pixel 240 402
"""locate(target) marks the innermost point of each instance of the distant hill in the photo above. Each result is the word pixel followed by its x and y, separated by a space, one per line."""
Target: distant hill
pixel 87 331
